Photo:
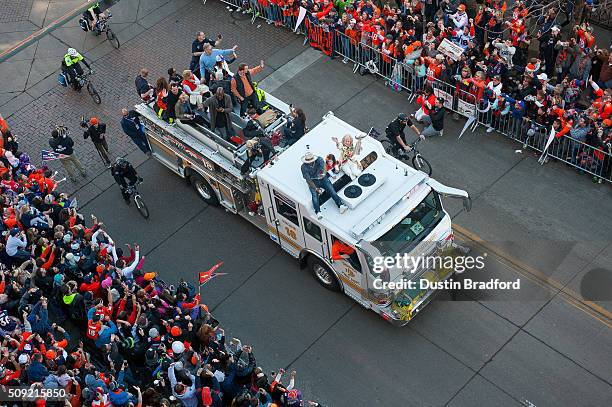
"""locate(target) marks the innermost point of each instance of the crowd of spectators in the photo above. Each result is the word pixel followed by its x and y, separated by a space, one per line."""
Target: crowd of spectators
pixel 528 66
pixel 81 313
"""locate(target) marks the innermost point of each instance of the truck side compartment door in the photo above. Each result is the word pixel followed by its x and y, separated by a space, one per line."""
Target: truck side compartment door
pixel 285 215
pixel 347 265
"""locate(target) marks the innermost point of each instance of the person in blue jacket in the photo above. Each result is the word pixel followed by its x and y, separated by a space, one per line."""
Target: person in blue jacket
pixel 39 318
pixel 134 128
pixel 517 110
pixel 37 372
pixel 209 58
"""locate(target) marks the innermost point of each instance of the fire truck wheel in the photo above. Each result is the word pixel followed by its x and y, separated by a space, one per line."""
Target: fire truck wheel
pixel 204 189
pixel 323 274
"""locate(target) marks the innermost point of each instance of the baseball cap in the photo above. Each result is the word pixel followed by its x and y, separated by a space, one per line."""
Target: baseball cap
pixel 93 121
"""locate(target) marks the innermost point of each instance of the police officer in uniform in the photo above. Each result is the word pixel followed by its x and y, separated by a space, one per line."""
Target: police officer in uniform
pixel 125 174
pixel 395 132
pixel 72 68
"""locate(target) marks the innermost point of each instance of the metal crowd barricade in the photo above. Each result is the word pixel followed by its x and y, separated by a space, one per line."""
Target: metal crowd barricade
pixel 578 154
pixel 583 156
pixel 402 76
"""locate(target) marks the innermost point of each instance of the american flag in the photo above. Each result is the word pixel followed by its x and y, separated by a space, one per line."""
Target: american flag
pixel 47 155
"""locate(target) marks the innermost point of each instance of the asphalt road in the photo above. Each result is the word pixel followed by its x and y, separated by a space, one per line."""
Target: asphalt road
pixel 550 344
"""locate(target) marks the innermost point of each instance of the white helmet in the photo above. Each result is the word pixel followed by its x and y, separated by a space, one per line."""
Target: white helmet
pixel 72 52
pixel 178 347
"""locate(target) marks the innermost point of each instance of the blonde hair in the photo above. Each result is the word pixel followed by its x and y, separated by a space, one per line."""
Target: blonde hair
pixel 186 74
pixel 251 143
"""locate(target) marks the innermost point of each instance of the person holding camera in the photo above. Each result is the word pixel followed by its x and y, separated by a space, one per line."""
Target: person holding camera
pixel 296 126
pixel 62 143
pixel 96 131
pixel 256 147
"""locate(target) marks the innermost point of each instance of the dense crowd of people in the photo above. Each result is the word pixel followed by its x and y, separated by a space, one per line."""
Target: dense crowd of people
pixel 81 313
pixel 527 67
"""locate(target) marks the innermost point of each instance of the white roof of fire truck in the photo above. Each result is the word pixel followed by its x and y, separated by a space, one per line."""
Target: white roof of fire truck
pixel 397 188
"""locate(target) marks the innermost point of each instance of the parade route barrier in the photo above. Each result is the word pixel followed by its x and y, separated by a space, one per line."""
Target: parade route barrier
pixel 460 97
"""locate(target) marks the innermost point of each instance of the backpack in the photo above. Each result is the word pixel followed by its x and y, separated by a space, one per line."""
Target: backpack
pixel 84 24
pixel 61 79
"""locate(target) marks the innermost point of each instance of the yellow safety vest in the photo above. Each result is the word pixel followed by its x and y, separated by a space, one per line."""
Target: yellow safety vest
pixel 68 60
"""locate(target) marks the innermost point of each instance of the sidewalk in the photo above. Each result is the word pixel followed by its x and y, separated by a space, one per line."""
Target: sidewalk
pixel 34 103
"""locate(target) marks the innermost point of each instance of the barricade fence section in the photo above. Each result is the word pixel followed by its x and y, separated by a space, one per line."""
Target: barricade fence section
pixel 465 97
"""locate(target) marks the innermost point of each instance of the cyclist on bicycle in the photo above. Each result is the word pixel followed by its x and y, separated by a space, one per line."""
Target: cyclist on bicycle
pixel 396 135
pixel 125 175
pixel 72 69
pixel 92 15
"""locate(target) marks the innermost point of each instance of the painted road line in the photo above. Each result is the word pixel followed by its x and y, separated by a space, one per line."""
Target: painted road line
pixel 536 276
pixel 289 70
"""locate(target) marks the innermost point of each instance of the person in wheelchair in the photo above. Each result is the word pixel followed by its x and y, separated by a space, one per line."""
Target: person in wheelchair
pixel 125 175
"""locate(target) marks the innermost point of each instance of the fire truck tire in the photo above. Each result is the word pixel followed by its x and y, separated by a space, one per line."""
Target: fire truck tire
pixel 204 190
pixel 323 274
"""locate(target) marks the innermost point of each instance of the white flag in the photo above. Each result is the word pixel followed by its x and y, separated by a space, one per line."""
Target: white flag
pixel 551 137
pixel 300 18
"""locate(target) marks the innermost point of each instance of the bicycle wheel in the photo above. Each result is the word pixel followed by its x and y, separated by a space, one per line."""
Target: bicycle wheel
pixel 112 38
pixel 142 207
pixel 421 164
pixel 94 93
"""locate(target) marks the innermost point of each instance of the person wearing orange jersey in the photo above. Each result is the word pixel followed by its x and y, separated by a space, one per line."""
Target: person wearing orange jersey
pixel 325 8
pixel 434 67
pixel 378 35
pixel 426 102
pixel 585 36
pixel 387 50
